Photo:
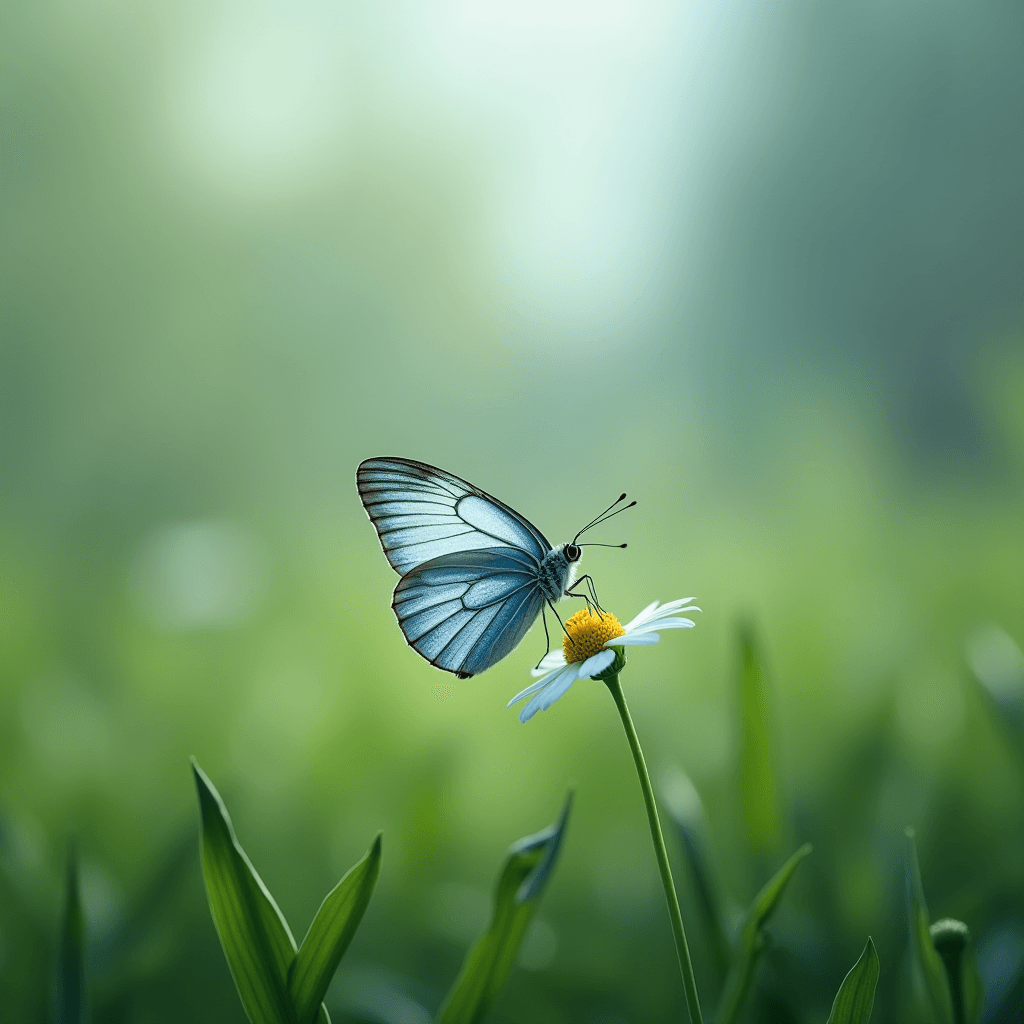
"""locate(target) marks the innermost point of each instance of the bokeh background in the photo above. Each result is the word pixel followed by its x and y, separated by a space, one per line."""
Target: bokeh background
pixel 758 264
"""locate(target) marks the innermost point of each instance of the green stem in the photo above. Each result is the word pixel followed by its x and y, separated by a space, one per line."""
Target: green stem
pixel 682 949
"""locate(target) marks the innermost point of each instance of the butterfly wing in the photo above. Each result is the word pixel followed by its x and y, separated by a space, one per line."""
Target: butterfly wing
pixel 470 565
pixel 421 513
pixel 465 610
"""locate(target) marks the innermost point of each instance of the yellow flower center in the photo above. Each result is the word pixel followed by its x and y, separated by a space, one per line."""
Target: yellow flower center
pixel 588 631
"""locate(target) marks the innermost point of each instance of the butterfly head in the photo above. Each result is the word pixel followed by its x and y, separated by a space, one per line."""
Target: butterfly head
pixel 572 552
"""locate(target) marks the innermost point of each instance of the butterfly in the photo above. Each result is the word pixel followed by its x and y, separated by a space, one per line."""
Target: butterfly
pixel 475 573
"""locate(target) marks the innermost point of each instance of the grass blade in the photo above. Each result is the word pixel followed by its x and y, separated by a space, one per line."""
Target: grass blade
pixel 687 813
pixel 997 664
pixel 71 1005
pixel 523 878
pixel 762 810
pixel 113 951
pixel 926 958
pixel 752 939
pixel 253 933
pixel 856 995
pixel 330 934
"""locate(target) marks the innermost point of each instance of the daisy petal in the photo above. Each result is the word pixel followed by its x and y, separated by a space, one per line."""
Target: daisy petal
pixel 550 661
pixel 653 627
pixel 532 688
pixel 634 640
pixel 547 696
pixel 643 616
pixel 597 663
pixel 665 612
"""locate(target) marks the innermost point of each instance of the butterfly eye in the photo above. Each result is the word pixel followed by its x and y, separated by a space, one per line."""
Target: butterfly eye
pixel 572 552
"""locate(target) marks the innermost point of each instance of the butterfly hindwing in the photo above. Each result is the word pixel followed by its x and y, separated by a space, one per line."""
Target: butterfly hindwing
pixel 466 610
pixel 421 512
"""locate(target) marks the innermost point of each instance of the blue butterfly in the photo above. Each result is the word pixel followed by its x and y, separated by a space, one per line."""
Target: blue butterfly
pixel 475 573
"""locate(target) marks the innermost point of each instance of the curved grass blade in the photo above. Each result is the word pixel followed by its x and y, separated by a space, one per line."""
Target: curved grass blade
pixel 997 665
pixel 752 938
pixel 927 961
pixel 113 952
pixel 71 1005
pixel 762 811
pixel 253 933
pixel 330 934
pixel 856 995
pixel 523 878
pixel 687 813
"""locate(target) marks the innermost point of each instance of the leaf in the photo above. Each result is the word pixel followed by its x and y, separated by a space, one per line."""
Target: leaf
pixel 997 665
pixel 520 885
pixel 761 802
pixel 330 934
pixel 856 995
pixel 71 1005
pixel 126 941
pixel 752 938
pixel 927 960
pixel 687 814
pixel 253 933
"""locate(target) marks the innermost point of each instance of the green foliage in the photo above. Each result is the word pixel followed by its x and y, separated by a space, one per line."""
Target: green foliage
pixel 927 962
pixel 71 1000
pixel 759 769
pixel 753 940
pixel 523 878
pixel 856 995
pixel 253 932
pixel 277 983
pixel 135 939
pixel 329 935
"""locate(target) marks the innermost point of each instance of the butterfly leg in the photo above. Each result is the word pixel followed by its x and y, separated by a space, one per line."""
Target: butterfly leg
pixel 571 591
pixel 591 588
pixel 561 623
pixel 547 635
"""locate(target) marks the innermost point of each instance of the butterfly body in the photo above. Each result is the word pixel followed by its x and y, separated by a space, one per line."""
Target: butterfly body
pixel 557 573
pixel 475 573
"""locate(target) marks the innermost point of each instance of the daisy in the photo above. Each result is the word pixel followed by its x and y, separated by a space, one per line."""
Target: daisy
pixel 592 649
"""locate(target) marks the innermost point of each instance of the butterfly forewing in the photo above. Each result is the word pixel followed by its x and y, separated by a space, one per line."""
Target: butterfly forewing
pixel 470 587
pixel 421 512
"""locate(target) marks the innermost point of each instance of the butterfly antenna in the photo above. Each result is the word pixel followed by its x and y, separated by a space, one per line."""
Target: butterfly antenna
pixel 594 544
pixel 605 516
pixel 621 497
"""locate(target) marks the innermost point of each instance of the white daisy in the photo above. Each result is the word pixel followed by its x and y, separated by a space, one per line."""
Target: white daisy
pixel 588 649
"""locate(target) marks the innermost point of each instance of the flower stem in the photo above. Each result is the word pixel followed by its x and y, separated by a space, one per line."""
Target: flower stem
pixel 682 949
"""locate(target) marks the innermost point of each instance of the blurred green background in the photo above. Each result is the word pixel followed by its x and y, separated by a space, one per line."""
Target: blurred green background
pixel 760 265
